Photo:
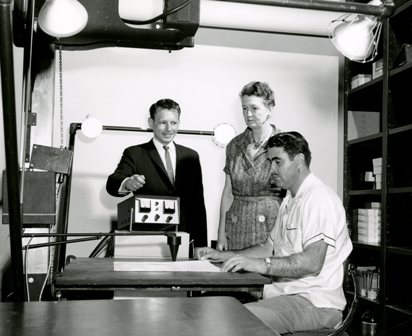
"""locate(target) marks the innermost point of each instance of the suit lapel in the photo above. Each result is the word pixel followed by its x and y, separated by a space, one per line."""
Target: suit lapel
pixel 178 162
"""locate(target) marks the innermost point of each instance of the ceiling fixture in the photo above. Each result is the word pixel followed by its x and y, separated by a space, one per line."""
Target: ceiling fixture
pixel 357 36
pixel 62 18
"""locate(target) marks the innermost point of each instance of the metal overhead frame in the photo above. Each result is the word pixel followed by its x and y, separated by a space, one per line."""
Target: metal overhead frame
pixel 331 6
pixel 9 108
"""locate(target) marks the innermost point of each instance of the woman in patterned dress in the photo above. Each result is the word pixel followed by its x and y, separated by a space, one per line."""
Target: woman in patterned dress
pixel 250 201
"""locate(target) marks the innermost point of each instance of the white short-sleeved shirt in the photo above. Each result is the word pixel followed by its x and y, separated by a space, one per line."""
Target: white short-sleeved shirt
pixel 315 213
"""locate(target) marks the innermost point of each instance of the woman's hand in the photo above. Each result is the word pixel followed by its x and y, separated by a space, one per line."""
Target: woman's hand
pixel 221 244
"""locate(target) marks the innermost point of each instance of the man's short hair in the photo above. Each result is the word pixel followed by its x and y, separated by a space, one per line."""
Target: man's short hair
pixel 293 143
pixel 167 104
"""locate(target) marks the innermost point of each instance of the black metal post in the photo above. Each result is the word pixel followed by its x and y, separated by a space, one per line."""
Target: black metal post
pixel 11 149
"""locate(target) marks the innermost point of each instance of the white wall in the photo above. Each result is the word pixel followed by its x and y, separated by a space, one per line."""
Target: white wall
pixel 118 86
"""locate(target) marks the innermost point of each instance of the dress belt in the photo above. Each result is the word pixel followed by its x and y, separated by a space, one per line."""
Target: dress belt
pixel 254 198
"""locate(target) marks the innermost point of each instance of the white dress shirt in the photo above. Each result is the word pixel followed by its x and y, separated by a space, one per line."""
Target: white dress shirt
pixel 162 153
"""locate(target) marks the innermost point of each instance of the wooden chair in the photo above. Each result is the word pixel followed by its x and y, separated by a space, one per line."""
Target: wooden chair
pixel 341 330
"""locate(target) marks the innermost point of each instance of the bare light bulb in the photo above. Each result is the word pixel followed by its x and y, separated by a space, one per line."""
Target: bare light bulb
pixel 91 127
pixel 223 133
pixel 62 18
pixel 356 36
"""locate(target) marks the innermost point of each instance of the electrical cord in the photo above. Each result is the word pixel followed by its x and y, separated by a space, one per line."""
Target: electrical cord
pixel 158 17
pixel 25 269
pixel 45 281
pixel 49 268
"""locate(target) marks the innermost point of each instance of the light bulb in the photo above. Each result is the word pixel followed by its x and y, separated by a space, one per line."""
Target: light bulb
pixel 356 36
pixel 355 39
pixel 62 18
pixel 91 127
pixel 223 133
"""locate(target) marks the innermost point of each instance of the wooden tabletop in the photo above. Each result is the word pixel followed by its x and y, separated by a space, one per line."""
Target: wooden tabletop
pixel 144 316
pixel 98 273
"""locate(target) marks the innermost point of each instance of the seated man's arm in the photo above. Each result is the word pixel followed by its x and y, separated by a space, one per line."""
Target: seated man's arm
pixel 308 262
pixel 252 252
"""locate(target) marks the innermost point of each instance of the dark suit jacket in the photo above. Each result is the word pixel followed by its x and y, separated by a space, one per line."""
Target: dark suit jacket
pixel 144 160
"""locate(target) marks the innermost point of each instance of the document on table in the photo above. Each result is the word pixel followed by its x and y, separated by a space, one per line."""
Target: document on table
pixel 166 266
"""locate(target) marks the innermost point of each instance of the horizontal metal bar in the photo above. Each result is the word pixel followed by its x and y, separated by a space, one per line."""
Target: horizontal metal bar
pixel 89 236
pixel 384 10
pixel 32 246
pixel 100 234
pixel 74 127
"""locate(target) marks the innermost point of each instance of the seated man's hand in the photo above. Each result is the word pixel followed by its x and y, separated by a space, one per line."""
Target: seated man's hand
pixel 240 263
pixel 207 253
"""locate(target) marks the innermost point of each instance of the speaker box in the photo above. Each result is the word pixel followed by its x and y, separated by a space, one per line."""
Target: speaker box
pixel 39 204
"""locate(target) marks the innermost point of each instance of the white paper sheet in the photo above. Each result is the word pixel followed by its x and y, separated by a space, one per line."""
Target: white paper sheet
pixel 166 266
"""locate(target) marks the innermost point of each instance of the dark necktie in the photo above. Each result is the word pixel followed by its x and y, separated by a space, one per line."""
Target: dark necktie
pixel 169 166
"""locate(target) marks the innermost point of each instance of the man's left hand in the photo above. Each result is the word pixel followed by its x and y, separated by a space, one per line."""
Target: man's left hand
pixel 239 263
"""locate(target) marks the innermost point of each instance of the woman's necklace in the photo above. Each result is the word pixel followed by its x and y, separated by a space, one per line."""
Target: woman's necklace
pixel 257 144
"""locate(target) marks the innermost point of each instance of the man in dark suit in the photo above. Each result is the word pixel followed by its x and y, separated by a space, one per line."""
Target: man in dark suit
pixel 161 167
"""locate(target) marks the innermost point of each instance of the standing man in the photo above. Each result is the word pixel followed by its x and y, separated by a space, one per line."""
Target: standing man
pixel 161 167
pixel 305 251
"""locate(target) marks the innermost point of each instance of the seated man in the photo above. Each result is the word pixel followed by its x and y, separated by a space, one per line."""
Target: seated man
pixel 305 251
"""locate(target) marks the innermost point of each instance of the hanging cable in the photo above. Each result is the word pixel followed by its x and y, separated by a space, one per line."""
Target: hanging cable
pixel 25 269
pixel 61 96
pixel 45 280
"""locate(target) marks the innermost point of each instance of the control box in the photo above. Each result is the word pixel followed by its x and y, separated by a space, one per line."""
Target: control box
pixel 146 212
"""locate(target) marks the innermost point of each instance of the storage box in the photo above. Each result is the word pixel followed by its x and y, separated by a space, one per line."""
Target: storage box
pixel 377 161
pixel 377 68
pixel 373 205
pixel 405 55
pixel 368 212
pixel 377 170
pixel 361 124
pixel 360 79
